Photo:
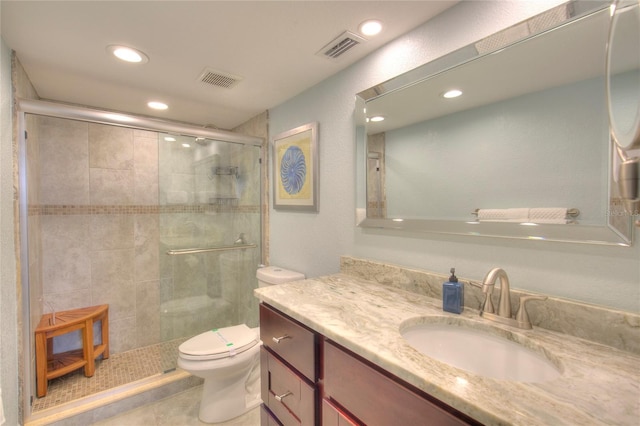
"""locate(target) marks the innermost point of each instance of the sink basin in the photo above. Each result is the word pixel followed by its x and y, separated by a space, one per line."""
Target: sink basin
pixel 479 349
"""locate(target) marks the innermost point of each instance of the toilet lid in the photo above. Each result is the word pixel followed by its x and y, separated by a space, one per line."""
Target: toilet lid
pixel 220 342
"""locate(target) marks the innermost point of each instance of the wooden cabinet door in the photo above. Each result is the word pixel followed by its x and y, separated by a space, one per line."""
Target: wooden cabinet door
pixel 332 416
pixel 375 399
pixel 286 394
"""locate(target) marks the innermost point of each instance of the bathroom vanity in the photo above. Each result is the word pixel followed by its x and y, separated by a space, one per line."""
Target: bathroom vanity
pixel 347 390
pixel 334 355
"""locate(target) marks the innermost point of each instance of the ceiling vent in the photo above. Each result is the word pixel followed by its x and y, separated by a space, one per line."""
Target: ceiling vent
pixel 346 41
pixel 219 78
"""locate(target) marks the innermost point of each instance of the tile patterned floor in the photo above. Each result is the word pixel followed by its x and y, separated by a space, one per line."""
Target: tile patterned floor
pixel 119 369
pixel 178 410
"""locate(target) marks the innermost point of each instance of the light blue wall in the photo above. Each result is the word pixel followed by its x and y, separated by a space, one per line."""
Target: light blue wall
pixel 313 243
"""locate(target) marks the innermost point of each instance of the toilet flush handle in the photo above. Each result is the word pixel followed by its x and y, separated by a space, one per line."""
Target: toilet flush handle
pixel 278 339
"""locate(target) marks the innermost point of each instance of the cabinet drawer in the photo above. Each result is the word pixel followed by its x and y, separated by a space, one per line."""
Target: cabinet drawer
pixel 286 394
pixel 290 340
pixel 374 398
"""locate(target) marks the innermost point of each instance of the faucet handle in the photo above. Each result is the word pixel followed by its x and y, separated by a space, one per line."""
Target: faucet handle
pixel 487 305
pixel 522 317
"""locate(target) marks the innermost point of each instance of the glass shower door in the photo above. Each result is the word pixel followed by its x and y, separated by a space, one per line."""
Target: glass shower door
pixel 210 219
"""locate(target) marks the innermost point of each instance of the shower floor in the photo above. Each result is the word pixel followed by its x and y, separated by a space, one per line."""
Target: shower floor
pixel 119 369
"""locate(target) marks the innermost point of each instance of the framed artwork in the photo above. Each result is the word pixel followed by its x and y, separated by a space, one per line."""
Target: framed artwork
pixel 295 169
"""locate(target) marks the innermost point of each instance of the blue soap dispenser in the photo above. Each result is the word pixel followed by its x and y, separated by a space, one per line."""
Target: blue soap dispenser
pixel 453 294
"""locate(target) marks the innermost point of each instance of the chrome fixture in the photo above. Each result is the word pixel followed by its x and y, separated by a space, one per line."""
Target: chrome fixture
pixel 209 249
pixel 504 304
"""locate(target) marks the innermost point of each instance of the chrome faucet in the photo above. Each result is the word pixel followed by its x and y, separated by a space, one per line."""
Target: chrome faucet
pixel 504 304
pixel 489 282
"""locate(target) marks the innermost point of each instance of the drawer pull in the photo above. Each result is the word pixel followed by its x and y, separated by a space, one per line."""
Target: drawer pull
pixel 280 397
pixel 278 339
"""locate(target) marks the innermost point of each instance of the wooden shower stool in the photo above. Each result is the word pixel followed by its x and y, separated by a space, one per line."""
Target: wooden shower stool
pixel 50 365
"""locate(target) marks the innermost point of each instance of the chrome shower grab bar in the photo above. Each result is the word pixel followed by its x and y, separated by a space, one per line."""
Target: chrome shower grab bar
pixel 209 249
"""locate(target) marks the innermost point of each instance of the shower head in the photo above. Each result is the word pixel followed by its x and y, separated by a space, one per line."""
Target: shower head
pixel 201 141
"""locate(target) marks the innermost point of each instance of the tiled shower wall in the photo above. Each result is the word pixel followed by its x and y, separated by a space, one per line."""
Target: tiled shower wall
pixel 98 199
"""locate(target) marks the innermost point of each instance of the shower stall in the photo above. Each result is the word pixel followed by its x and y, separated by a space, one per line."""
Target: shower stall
pixel 161 221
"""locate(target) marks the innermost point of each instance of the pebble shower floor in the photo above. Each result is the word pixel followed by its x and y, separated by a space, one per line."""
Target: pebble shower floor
pixel 119 369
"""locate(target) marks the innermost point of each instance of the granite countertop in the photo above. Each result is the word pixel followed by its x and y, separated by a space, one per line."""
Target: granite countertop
pixel 599 385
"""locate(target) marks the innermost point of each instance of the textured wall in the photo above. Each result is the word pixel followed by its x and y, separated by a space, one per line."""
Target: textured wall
pixel 99 230
pixel 313 243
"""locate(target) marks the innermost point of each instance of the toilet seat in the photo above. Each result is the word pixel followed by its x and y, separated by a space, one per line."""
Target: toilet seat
pixel 219 343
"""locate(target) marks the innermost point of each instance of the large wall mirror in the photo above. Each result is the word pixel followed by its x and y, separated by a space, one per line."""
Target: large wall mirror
pixel 530 133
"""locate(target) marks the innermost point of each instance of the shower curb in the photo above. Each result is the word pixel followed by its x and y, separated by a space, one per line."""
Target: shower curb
pixel 104 405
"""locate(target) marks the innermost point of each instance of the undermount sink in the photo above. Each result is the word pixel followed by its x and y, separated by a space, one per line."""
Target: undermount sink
pixel 479 349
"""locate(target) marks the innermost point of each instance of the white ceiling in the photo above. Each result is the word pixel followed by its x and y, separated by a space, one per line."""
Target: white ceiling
pixel 272 45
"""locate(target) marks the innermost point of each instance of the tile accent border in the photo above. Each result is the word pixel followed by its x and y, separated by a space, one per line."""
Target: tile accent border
pixel 69 210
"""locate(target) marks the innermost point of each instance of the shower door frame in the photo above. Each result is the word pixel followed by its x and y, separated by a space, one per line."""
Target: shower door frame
pixel 92 115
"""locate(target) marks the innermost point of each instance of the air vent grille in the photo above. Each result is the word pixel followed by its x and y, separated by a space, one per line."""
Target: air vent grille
pixel 340 45
pixel 219 78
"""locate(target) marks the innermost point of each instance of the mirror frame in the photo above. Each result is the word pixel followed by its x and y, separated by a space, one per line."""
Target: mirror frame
pixel 605 234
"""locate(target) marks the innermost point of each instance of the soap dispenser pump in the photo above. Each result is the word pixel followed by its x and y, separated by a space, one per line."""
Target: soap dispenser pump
pixel 453 294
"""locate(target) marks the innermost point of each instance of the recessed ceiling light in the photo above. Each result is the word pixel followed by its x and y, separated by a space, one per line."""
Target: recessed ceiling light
pixel 128 54
pixel 186 145
pixel 370 27
pixel 157 105
pixel 169 139
pixel 376 118
pixel 452 94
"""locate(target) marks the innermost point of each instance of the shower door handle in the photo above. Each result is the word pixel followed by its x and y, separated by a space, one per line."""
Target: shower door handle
pixel 279 339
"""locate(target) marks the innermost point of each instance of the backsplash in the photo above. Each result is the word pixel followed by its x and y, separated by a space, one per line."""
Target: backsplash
pixel 609 327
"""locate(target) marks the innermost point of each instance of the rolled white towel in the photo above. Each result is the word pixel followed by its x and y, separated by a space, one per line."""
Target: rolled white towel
pixel 548 215
pixel 503 215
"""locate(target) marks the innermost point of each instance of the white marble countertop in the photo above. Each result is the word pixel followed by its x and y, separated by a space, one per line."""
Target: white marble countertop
pixel 599 385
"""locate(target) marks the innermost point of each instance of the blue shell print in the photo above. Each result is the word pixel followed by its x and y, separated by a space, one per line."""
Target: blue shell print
pixel 293 170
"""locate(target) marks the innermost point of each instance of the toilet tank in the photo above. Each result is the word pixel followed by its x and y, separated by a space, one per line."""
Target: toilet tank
pixel 272 275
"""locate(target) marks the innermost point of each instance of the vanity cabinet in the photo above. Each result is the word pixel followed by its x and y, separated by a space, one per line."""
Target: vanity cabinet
pixel 310 380
pixel 374 397
pixel 289 364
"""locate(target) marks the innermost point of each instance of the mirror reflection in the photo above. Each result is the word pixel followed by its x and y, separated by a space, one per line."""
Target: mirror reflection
pixel 623 92
pixel 527 133
pixel 624 74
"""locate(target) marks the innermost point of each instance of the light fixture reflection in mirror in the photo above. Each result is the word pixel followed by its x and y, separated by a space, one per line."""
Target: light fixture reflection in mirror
pixel 573 168
pixel 451 94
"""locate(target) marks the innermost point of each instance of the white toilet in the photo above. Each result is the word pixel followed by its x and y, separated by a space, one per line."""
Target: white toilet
pixel 228 359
